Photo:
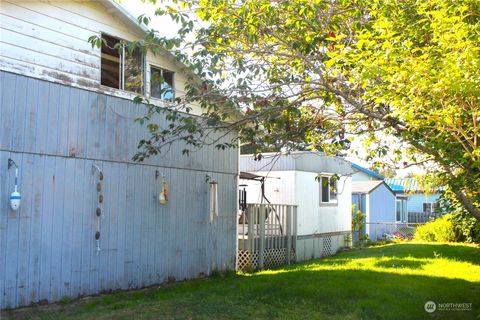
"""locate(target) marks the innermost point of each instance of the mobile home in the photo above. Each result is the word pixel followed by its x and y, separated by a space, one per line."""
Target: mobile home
pixel 318 186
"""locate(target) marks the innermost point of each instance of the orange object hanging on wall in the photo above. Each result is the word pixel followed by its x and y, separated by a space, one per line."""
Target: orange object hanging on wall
pixel 163 196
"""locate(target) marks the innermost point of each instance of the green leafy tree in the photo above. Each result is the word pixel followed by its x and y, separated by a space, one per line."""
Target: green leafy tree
pixel 323 73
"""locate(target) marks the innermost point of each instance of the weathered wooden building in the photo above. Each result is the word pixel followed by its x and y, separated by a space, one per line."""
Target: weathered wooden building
pixel 90 219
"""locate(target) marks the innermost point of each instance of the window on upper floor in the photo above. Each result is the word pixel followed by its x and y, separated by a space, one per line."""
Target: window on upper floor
pixel 328 189
pixel 121 68
pixel 161 84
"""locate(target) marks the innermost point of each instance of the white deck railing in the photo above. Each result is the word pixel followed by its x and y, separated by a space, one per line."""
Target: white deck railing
pixel 267 232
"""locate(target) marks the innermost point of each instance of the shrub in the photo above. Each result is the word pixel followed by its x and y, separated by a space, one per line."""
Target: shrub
pixel 442 229
pixel 467 227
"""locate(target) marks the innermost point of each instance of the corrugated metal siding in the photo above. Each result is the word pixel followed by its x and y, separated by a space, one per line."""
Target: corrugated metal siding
pixel 47 249
pixel 269 162
pixel 301 161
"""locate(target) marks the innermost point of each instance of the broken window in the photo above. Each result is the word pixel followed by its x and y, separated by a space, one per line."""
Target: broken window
pixel 110 62
pixel 161 84
pixel 121 68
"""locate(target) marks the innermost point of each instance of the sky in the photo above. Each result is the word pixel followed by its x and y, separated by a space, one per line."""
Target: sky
pixel 163 24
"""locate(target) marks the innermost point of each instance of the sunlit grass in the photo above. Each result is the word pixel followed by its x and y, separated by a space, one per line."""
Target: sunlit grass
pixel 436 265
pixel 386 282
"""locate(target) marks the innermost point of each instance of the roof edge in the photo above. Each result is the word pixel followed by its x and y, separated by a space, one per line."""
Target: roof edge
pixel 367 171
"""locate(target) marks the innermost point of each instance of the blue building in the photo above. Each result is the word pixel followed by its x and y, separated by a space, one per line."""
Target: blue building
pixel 411 199
pixel 373 197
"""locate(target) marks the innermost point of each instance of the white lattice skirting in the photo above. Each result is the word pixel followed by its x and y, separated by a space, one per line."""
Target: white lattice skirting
pixel 248 261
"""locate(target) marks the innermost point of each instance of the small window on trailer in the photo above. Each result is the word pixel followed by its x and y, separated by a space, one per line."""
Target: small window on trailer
pixel 328 189
pixel 121 68
pixel 161 84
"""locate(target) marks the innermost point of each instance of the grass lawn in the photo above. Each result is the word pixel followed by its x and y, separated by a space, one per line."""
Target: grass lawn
pixel 386 282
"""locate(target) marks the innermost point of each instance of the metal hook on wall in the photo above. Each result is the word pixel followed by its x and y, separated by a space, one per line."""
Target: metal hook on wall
pixel 159 174
pixel 12 163
pixel 95 168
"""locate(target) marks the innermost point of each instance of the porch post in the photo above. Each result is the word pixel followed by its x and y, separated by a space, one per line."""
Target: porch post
pixel 261 250
pixel 289 233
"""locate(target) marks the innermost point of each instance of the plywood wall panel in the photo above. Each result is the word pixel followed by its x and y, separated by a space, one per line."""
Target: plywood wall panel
pixel 48 249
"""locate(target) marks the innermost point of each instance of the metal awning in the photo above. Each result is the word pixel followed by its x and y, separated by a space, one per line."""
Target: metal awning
pixel 250 176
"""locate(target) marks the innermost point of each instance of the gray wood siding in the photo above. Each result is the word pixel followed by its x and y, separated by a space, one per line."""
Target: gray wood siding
pixel 55 133
pixel 49 40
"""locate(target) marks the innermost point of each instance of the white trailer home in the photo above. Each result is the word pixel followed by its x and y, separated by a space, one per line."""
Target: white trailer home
pixel 319 187
pixel 90 219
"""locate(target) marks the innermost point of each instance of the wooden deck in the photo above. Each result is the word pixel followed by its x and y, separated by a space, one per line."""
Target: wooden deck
pixel 266 235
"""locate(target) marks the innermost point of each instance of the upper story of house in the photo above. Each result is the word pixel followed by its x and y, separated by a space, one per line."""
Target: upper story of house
pixel 363 174
pixel 49 40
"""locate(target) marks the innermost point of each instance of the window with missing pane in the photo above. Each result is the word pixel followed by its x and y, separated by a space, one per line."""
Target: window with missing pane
pixel 121 68
pixel 110 62
pixel 161 84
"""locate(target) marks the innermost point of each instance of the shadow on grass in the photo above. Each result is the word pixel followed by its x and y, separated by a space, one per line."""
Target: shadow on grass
pixel 301 294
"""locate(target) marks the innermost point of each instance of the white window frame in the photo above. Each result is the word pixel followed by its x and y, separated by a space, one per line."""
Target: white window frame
pixel 432 206
pixel 158 67
pixel 404 209
pixel 320 185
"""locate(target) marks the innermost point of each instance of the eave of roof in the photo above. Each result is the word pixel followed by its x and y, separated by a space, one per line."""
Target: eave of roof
pixel 369 172
pixel 140 28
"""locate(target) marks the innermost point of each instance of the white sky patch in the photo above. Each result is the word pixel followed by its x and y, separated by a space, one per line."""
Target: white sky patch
pixel 164 25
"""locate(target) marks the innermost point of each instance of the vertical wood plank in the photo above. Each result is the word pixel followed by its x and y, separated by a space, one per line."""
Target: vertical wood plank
pixel 77 228
pixel 36 227
pixel 24 214
pixel 90 189
pixel 46 230
pixel 121 226
pixel 4 190
pixel 59 187
pixel 11 243
pixel 18 127
pixel 82 122
pixel 31 115
pixel 7 111
pixel 92 143
pixel 52 120
pixel 73 109
pixel 69 245
pixel 87 212
pixel 129 226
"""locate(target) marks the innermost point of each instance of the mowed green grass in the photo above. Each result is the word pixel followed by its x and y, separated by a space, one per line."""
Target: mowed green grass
pixel 386 282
